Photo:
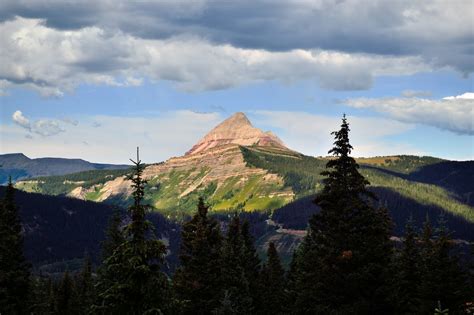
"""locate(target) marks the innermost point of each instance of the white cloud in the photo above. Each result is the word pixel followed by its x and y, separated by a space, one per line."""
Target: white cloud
pixel 21 120
pixel 42 127
pixel 310 134
pixel 46 127
pixel 453 113
pixel 54 62
pixel 465 96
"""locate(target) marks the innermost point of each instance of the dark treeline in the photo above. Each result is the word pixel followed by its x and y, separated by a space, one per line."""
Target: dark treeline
pixel 346 264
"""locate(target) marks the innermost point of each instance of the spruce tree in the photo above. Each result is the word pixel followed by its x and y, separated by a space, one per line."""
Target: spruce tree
pixel 85 286
pixel 343 261
pixel 251 263
pixel 66 296
pixel 14 270
pixel 407 275
pixel 113 235
pixel 442 278
pixel 235 282
pixel 132 281
pixel 196 281
pixel 273 282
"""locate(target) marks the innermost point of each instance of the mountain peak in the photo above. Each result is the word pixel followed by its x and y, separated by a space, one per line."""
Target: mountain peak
pixel 236 129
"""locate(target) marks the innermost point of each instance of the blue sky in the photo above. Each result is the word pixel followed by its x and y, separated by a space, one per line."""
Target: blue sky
pixel 96 85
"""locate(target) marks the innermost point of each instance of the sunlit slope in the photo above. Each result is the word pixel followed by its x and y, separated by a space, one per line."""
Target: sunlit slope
pixel 234 178
pixel 302 174
pixel 220 175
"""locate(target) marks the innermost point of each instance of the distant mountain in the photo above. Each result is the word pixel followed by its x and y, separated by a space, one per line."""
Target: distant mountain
pixel 237 129
pixel 239 167
pixel 19 166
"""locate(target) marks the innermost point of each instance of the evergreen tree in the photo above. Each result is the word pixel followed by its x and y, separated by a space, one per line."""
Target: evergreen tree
pixel 131 281
pixel 442 278
pixel 251 263
pixel 40 288
pixel 407 273
pixel 273 282
pixel 343 262
pixel 291 283
pixel 85 286
pixel 113 235
pixel 196 281
pixel 234 279
pixel 66 296
pixel 14 270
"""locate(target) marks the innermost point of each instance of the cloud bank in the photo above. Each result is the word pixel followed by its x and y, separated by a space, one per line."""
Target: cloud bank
pixel 453 113
pixel 54 46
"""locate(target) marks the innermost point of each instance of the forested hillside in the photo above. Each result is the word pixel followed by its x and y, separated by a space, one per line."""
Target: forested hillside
pixel 60 230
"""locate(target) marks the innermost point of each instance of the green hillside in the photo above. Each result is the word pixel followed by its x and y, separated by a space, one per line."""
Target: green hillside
pixel 298 176
pixel 302 173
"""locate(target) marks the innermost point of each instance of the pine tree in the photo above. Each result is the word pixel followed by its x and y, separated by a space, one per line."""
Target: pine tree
pixel 407 273
pixel 442 278
pixel 132 281
pixel 234 280
pixel 273 282
pixel 343 261
pixel 14 270
pixel 196 281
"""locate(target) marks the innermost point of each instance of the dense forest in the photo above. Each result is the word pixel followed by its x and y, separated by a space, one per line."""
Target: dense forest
pixel 347 263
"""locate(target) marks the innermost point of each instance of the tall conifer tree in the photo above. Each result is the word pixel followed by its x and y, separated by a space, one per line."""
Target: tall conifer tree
pixel 235 282
pixel 273 282
pixel 85 286
pixel 14 270
pixel 406 280
pixel 342 265
pixel 132 282
pixel 442 278
pixel 196 281
pixel 66 296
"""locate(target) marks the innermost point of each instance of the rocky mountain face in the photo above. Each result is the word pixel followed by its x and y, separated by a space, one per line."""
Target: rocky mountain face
pixel 236 130
pixel 19 166
pixel 214 168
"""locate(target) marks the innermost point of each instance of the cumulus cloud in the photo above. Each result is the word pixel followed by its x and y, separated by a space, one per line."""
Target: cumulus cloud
pixel 42 127
pixel 21 120
pixel 54 62
pixel 453 113
pixel 465 96
pixel 439 31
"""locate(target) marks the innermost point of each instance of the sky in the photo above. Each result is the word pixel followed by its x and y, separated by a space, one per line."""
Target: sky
pixel 95 79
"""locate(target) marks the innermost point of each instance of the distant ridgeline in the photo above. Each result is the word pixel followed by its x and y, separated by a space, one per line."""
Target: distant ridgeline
pixel 19 166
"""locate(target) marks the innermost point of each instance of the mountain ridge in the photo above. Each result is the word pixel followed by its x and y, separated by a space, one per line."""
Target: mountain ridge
pixel 20 167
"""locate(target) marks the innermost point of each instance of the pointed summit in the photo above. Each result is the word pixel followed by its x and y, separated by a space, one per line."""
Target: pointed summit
pixel 236 129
